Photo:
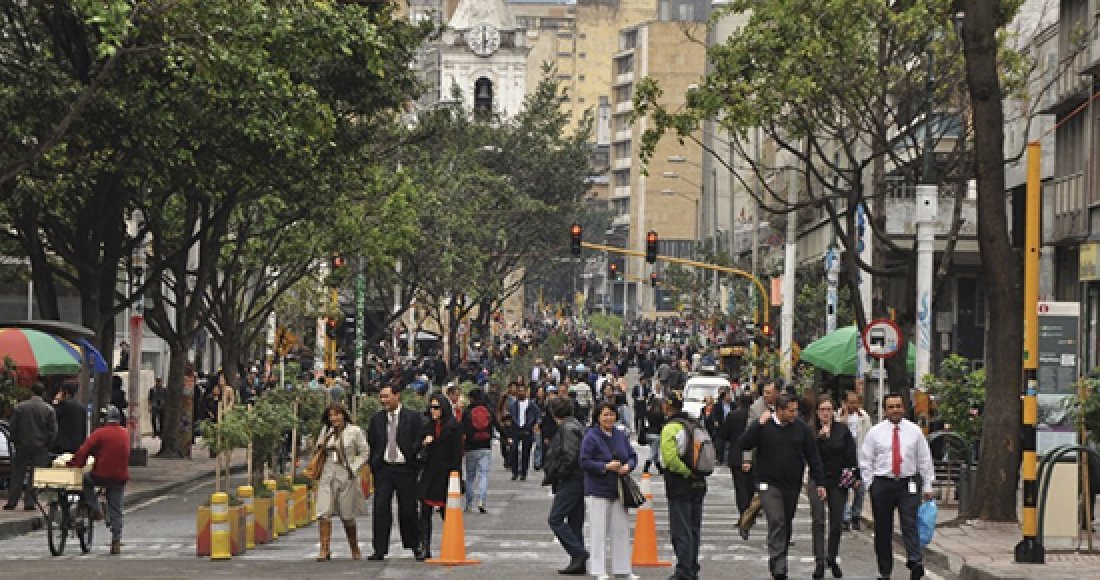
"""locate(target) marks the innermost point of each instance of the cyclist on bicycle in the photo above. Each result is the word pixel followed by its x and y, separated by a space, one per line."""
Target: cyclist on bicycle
pixel 110 445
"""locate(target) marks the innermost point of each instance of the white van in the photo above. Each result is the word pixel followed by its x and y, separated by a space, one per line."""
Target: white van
pixel 698 388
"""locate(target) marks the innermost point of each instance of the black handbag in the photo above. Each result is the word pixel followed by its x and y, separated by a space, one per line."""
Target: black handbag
pixel 629 493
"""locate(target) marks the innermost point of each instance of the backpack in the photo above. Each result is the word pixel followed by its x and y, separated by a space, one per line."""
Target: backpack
pixel 480 420
pixel 698 452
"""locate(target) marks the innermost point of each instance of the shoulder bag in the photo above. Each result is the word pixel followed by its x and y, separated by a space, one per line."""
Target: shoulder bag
pixel 317 461
pixel 629 493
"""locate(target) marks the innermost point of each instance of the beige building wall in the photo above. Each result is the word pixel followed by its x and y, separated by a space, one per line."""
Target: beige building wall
pixel 666 197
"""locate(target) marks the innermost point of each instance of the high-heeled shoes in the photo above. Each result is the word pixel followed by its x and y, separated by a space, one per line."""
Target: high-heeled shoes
pixel 835 569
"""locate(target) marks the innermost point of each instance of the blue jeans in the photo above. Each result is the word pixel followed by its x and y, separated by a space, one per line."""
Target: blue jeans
pixel 685 524
pixel 852 511
pixel 114 492
pixel 477 475
pixel 654 441
pixel 566 518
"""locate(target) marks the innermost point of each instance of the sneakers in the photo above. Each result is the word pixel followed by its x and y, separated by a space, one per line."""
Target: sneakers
pixel 481 508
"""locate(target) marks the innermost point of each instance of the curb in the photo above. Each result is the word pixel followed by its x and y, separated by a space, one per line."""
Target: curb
pixel 12 528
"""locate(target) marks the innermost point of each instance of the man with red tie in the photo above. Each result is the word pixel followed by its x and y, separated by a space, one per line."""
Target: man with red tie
pixel 896 453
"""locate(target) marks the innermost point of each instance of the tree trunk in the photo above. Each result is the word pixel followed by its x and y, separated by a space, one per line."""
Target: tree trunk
pixel 175 433
pixel 998 469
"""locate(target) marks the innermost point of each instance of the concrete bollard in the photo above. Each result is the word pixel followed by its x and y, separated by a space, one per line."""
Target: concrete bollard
pixel 219 526
pixel 245 493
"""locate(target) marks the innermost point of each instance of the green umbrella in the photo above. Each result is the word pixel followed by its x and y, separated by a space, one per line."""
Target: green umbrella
pixel 836 352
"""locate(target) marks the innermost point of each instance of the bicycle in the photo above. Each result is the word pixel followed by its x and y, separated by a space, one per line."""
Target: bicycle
pixel 67 511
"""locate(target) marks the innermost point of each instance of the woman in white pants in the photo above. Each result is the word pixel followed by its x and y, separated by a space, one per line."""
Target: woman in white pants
pixel 606 454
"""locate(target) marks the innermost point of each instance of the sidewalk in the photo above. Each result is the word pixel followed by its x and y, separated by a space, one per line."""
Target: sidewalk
pixel 977 550
pixel 160 476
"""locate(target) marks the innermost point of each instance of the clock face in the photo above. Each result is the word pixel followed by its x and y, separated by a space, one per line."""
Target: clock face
pixel 483 39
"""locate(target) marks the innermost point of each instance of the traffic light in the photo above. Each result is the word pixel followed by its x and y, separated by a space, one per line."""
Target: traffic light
pixel 575 239
pixel 653 279
pixel 651 247
pixel 337 261
pixel 613 271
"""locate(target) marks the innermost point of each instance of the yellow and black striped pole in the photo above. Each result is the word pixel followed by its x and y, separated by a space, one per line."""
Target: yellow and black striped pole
pixel 1030 548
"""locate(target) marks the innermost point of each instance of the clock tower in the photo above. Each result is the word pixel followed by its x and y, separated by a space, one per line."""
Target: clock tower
pixel 483 53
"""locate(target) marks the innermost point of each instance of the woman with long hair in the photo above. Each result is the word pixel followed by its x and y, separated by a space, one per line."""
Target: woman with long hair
pixel 837 448
pixel 338 491
pixel 441 453
pixel 606 455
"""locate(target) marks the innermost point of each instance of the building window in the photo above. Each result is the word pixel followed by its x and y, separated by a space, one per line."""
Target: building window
pixel 580 100
pixel 483 95
pixel 565 77
pixel 580 78
pixel 582 55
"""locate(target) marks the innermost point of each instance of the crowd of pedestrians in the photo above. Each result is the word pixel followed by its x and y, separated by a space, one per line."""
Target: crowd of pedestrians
pixel 576 419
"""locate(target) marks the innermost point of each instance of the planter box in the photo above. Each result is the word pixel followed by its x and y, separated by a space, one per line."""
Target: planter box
pixel 301 505
pixel 236 530
pixel 282 498
pixel 263 508
pixel 202 532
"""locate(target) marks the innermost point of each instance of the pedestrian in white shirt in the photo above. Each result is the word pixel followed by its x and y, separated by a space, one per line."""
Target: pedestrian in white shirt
pixel 896 459
pixel 859 423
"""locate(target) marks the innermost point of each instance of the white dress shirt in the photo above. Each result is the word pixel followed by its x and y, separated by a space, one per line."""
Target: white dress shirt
pixel 521 421
pixel 393 420
pixel 877 453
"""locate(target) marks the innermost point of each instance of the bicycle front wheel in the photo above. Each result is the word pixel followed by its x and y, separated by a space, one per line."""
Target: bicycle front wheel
pixel 56 527
pixel 83 527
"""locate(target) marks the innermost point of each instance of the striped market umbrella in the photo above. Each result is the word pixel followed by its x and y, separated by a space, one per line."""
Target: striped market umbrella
pixel 36 354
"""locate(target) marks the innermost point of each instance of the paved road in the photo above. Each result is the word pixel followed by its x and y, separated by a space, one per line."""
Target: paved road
pixel 512 541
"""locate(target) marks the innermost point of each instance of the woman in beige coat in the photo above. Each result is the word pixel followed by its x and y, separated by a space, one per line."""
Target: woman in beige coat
pixel 338 490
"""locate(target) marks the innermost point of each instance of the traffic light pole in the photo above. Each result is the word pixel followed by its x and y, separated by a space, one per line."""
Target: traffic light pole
pixel 762 312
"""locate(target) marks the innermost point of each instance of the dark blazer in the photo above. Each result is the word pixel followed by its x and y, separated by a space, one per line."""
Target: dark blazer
pixel 443 456
pixel 72 426
pixel 410 425
pixel 732 429
pixel 534 414
pixel 33 426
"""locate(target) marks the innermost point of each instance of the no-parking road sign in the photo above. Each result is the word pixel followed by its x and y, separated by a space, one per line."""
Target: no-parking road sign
pixel 882 338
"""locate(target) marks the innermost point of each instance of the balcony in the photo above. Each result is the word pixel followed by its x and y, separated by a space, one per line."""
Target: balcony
pixel 621 221
pixel 901 216
pixel 1067 195
pixel 624 79
pixel 620 164
pixel 623 135
pixel 624 107
pixel 620 192
pixel 1071 87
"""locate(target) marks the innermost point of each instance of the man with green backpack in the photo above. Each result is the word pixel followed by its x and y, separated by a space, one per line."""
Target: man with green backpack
pixel 688 456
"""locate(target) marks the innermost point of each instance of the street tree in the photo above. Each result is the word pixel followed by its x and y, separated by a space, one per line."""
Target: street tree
pixel 850 97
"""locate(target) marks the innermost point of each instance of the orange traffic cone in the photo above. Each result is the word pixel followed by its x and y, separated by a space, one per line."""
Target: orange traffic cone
pixel 645 531
pixel 453 551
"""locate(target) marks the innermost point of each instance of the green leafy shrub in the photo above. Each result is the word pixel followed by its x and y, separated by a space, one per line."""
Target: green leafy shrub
pixel 1087 408
pixel 959 394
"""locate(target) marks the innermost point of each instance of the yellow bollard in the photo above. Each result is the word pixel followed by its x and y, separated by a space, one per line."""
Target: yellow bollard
pixel 219 526
pixel 273 487
pixel 245 493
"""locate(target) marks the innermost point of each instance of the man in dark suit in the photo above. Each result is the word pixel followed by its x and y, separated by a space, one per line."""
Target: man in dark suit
pixel 740 463
pixel 33 430
pixel 526 416
pixel 394 437
pixel 72 421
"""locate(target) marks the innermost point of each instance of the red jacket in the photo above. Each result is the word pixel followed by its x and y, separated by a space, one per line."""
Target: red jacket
pixel 110 445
